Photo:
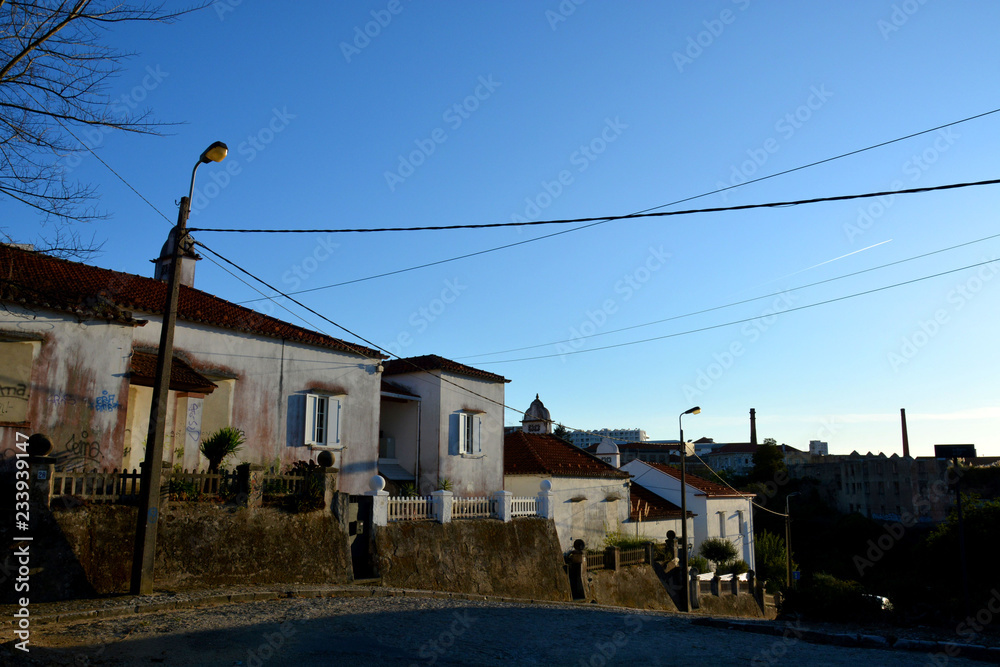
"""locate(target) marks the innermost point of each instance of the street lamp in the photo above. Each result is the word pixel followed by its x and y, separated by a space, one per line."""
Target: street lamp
pixel 788 541
pixel 149 492
pixel 686 586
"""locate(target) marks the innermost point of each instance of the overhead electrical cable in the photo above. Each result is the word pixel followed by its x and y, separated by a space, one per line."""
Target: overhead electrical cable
pixel 654 208
pixel 614 218
pixel 734 303
pixel 748 319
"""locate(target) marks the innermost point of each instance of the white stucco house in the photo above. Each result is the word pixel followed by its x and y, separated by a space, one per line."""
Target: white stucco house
pixel 441 420
pixel 719 511
pixel 78 346
pixel 652 516
pixel 590 497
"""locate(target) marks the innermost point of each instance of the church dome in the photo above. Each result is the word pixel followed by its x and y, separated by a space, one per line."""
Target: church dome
pixel 537 411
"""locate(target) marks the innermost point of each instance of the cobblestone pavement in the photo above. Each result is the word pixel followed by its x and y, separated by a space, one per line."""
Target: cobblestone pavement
pixel 408 630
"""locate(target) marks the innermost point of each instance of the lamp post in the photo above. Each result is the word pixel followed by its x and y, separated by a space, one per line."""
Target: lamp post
pixel 788 541
pixel 686 587
pixel 149 498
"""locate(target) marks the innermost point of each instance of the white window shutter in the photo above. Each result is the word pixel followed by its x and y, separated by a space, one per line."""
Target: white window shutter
pixel 335 419
pixel 310 423
pixel 479 434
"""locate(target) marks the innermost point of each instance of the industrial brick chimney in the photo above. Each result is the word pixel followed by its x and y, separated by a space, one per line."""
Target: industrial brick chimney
pixel 906 439
pixel 753 426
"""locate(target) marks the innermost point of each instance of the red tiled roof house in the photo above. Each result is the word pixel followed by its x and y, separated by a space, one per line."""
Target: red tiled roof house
pixel 77 358
pixel 719 511
pixel 591 497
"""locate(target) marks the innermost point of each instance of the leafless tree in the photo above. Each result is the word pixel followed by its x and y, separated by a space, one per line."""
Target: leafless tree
pixel 55 69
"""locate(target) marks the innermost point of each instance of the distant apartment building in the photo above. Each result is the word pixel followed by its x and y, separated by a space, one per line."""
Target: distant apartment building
pixel 585 439
pixel 650 452
pixel 883 488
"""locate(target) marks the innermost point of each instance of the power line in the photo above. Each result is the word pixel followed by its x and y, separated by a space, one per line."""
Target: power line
pixel 735 303
pixel 613 218
pixel 654 208
pixel 748 319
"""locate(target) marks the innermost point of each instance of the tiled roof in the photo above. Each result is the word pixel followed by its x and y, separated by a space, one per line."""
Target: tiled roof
pixel 142 372
pixel 545 454
pixel 647 506
pixel 432 362
pixel 710 489
pixel 36 279
pixel 395 388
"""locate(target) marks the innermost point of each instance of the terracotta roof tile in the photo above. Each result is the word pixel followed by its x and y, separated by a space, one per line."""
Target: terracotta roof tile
pixel 142 372
pixel 710 489
pixel 432 362
pixel 651 506
pixel 545 454
pixel 36 279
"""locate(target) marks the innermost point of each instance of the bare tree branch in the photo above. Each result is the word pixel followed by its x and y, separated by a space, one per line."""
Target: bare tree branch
pixel 55 73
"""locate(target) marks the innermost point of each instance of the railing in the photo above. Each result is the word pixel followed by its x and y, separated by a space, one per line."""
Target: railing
pixel 411 508
pixel 523 507
pixel 471 508
pixel 113 486
pixel 190 484
pixel 595 560
pixel 635 556
pixel 94 486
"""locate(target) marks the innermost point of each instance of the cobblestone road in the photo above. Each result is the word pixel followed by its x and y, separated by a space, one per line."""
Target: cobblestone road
pixel 425 631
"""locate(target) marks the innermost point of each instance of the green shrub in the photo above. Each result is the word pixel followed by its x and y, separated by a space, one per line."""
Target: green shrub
pixel 224 442
pixel 701 563
pixel 621 539
pixel 738 566
pixel 718 550
pixel 182 490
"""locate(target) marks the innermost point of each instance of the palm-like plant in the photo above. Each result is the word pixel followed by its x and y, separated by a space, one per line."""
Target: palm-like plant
pixel 227 440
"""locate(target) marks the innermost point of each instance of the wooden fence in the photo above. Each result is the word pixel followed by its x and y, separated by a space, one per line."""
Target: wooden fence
pixel 471 508
pixel 122 486
pixel 411 508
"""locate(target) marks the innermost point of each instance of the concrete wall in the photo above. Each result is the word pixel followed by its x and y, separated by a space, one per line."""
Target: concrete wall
pixel 589 519
pixel 78 386
pixel 521 558
pixel 88 550
pixel 636 586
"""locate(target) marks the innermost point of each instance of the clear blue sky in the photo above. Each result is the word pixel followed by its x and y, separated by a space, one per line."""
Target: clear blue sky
pixel 460 112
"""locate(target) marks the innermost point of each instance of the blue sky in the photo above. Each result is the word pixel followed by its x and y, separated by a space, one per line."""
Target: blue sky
pixel 386 114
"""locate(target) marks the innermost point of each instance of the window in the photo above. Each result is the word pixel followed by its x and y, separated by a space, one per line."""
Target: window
pixel 15 380
pixel 722 524
pixel 469 442
pixel 323 420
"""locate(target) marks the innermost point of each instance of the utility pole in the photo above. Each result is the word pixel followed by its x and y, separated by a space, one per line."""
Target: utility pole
pixel 149 491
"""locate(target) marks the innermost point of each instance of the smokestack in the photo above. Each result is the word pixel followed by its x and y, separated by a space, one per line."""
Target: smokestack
pixel 753 426
pixel 906 439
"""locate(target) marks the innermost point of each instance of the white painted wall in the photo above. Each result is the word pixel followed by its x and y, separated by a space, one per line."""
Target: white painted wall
pixel 589 519
pixel 268 404
pixel 479 474
pixel 728 517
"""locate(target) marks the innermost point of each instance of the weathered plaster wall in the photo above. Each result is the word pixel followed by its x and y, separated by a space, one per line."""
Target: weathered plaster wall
pixel 88 550
pixel 78 385
pixel 589 519
pixel 272 378
pixel 476 475
pixel 519 559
